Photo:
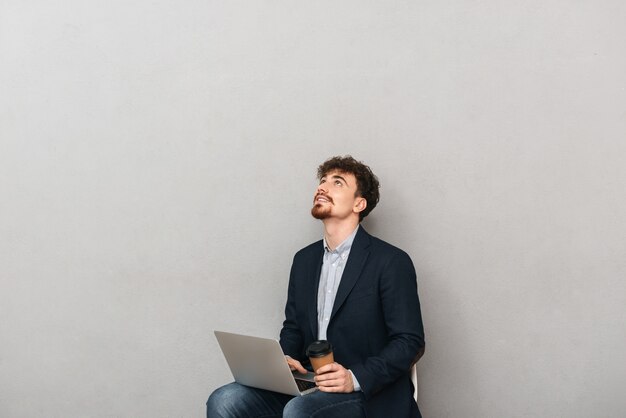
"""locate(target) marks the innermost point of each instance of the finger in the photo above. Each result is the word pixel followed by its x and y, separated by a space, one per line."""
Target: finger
pixel 332 381
pixel 299 366
pixel 296 365
pixel 328 383
pixel 340 385
pixel 332 389
pixel 328 368
pixel 328 377
pixel 331 374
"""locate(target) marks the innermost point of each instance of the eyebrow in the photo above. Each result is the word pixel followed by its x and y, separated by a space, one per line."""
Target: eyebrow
pixel 340 178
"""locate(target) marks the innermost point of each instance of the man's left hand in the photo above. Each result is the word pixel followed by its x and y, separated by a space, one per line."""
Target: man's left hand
pixel 334 377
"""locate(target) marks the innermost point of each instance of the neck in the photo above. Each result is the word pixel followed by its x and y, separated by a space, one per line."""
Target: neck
pixel 335 232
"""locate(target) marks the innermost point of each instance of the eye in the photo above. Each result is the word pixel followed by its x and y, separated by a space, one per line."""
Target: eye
pixel 338 183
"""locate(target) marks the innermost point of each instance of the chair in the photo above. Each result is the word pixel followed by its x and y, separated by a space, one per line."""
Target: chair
pixel 414 370
pixel 414 380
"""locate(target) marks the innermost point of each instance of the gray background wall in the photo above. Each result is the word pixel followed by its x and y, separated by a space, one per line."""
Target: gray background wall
pixel 157 164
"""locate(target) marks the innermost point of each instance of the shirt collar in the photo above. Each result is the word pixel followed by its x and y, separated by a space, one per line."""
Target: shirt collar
pixel 345 246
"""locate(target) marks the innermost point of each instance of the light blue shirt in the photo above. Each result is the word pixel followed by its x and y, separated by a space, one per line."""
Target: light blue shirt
pixel 333 265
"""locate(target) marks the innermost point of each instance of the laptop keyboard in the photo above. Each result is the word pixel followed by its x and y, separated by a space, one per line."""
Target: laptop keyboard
pixel 304 385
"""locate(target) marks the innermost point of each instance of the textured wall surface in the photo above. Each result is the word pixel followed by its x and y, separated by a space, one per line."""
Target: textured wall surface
pixel 157 165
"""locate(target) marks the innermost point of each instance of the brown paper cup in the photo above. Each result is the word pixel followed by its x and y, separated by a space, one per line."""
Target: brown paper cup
pixel 320 353
pixel 318 362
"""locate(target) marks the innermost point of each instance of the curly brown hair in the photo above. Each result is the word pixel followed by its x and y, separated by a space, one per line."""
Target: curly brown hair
pixel 366 181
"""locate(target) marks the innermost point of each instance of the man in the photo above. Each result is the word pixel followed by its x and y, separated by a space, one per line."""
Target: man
pixel 357 292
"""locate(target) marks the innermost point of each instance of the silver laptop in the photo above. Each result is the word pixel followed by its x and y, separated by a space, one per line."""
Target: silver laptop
pixel 260 363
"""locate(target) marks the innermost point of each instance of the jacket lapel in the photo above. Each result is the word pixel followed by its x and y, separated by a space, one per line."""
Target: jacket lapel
pixel 313 284
pixel 354 266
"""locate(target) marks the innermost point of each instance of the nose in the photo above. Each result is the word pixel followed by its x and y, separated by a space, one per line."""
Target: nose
pixel 321 189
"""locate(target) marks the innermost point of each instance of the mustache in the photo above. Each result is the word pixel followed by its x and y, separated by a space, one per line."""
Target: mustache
pixel 324 196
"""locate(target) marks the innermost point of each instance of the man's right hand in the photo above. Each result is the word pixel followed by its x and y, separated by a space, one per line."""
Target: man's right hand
pixel 295 365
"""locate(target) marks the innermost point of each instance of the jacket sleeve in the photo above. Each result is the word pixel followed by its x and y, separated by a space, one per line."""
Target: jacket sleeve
pixel 403 321
pixel 291 338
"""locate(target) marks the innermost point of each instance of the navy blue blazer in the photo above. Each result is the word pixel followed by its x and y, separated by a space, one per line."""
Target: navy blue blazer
pixel 375 327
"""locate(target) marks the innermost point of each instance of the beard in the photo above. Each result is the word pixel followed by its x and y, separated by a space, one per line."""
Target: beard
pixel 320 212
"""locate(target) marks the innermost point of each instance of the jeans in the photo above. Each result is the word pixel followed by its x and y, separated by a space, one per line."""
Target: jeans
pixel 238 401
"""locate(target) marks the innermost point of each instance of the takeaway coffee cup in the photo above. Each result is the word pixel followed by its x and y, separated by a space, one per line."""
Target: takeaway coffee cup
pixel 320 353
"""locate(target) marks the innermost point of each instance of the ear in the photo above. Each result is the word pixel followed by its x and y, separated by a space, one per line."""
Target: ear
pixel 360 205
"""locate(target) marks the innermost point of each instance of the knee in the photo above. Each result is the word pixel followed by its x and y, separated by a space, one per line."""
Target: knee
pixel 295 408
pixel 221 402
pixel 213 404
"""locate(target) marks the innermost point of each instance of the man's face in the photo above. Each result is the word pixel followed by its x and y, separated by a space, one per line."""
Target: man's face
pixel 336 197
